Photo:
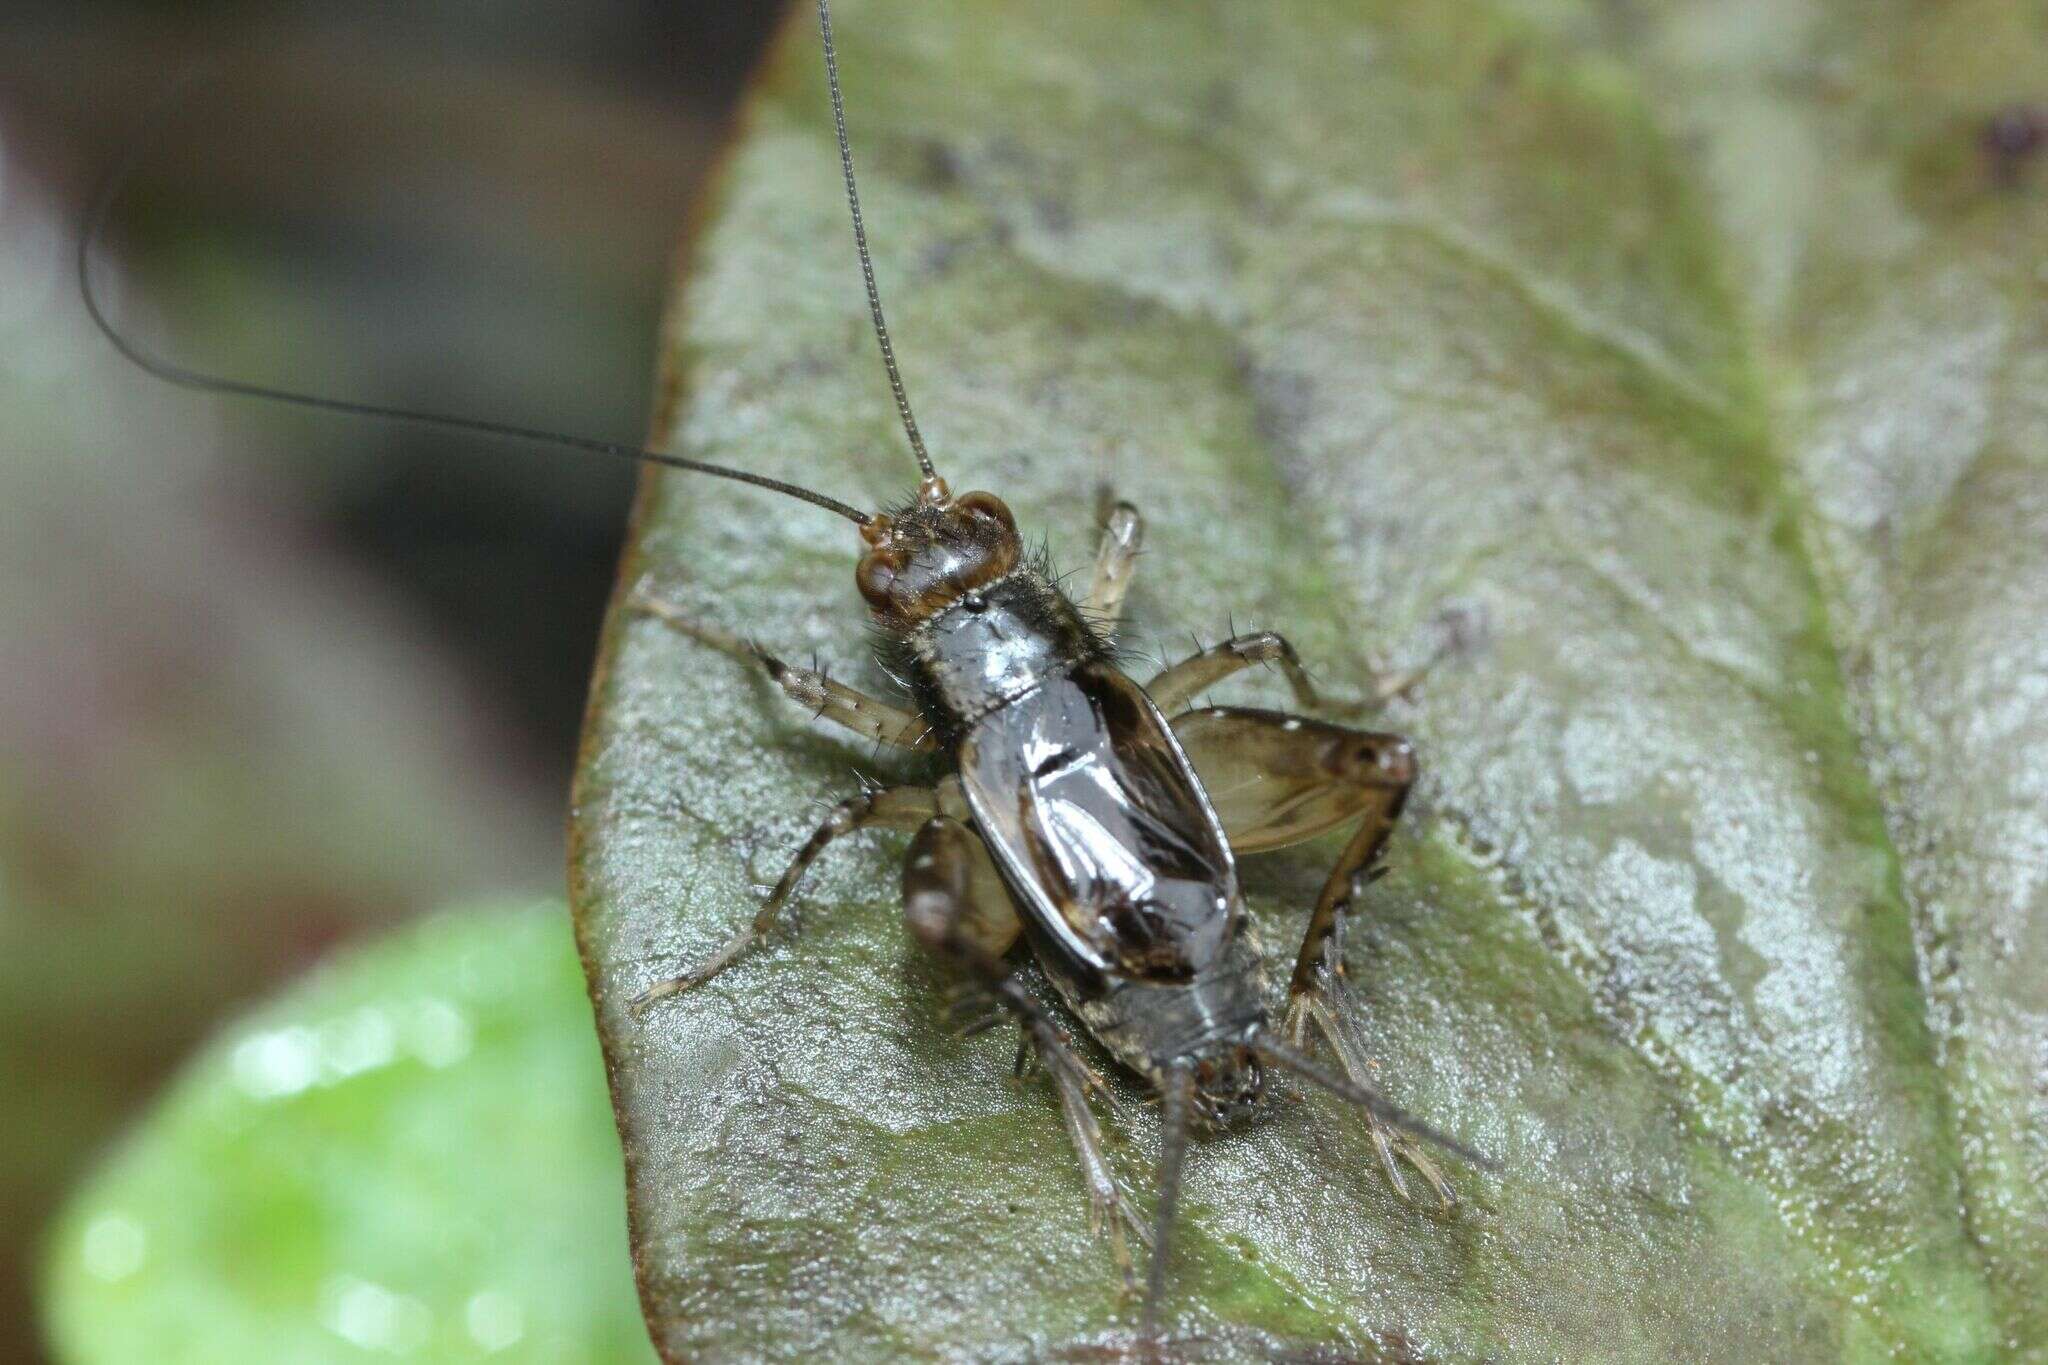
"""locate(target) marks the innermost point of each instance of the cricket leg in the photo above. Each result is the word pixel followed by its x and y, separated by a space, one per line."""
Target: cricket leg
pixel 1276 780
pixel 813 690
pixel 1115 562
pixel 1180 684
pixel 956 905
pixel 1323 1009
pixel 888 807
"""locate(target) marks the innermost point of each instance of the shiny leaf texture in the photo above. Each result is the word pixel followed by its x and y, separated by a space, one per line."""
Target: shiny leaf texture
pixel 1677 369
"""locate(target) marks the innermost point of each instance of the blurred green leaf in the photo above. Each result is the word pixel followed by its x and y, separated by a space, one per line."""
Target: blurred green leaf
pixel 408 1155
pixel 1680 365
pixel 220 749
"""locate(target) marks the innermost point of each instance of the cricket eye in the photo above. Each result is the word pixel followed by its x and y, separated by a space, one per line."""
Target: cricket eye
pixel 876 577
pixel 987 507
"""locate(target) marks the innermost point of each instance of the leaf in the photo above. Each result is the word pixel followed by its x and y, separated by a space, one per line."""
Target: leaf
pixel 1679 366
pixel 407 1154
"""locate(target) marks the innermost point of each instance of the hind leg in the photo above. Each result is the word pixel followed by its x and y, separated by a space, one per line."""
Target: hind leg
pixel 1322 1010
pixel 1277 780
pixel 956 905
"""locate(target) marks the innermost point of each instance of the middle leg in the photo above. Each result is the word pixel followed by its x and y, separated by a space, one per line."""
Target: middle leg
pixel 900 807
pixel 1180 684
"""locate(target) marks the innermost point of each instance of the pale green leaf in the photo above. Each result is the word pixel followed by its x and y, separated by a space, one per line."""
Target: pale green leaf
pixel 407 1156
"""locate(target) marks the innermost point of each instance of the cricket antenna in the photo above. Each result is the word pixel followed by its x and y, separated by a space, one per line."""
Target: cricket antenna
pixel 95 228
pixel 860 242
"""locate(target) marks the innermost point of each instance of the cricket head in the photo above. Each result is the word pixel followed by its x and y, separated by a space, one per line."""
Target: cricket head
pixel 926 556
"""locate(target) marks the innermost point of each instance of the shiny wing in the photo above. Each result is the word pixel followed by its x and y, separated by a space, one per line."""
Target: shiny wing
pixel 1097 818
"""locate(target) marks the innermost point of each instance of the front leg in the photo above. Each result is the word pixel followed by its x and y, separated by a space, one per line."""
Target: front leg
pixel 1115 562
pixel 1277 780
pixel 808 688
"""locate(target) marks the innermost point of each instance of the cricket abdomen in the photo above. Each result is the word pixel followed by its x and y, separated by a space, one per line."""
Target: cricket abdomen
pixel 1147 1024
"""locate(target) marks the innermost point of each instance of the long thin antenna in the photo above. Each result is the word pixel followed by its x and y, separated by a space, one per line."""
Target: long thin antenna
pixel 95 227
pixel 860 242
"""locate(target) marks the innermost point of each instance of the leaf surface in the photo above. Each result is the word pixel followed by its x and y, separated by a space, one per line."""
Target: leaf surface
pixel 1679 367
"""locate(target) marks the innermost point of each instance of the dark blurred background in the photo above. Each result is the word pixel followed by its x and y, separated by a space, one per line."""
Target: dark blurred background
pixel 269 680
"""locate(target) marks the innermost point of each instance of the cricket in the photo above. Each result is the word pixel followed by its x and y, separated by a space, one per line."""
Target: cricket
pixel 1088 822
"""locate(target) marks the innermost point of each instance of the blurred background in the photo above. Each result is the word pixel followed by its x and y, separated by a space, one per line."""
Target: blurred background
pixel 269 681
